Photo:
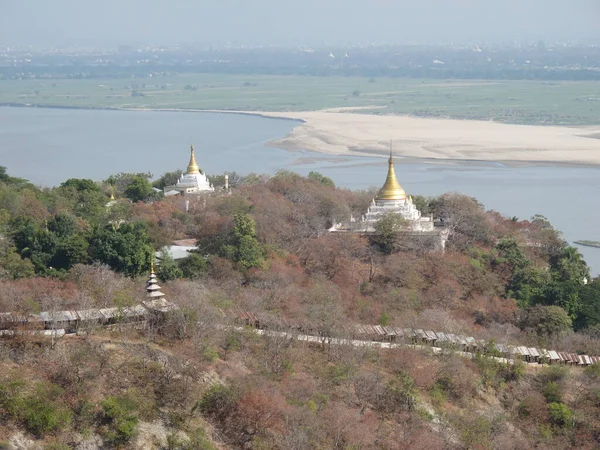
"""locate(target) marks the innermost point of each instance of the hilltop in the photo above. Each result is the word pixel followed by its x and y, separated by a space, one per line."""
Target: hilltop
pixel 264 247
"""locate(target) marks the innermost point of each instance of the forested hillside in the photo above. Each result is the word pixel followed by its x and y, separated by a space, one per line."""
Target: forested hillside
pixel 264 247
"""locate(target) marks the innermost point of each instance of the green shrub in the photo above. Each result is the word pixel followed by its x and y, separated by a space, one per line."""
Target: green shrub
pixel 560 415
pixel 438 394
pixel 553 373
pixel 120 417
pixel 593 371
pixel 55 445
pixel 42 416
pixel 474 431
pixel 197 441
pixel 210 354
pixel 545 431
pixel 385 319
pixel 594 396
pixel 218 402
pixel 489 369
pixel 400 393
pixel 553 392
pixel 339 373
pixel 40 410
pixel 447 385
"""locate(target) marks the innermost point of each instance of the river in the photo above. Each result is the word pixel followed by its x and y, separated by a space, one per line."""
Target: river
pixel 48 146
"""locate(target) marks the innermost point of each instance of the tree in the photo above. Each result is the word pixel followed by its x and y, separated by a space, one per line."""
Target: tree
pixel 422 204
pixel 120 181
pixel 512 255
pixel 60 246
pixel 386 231
pixel 322 179
pixel 589 315
pixel 69 251
pixel 139 189
pixel 243 247
pixel 528 286
pixel 126 249
pixel 564 294
pixel 194 266
pixel 249 252
pixel 16 267
pixel 168 269
pixel 568 265
pixel 168 179
pixel 546 321
pixel 81 184
pixel 84 196
pixel 464 217
pixel 544 238
pixel 7 179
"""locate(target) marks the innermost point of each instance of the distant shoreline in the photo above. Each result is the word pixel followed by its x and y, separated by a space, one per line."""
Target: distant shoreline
pixel 415 138
pixel 113 108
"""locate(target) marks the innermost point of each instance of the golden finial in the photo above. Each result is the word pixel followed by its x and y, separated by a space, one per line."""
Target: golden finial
pixel 152 264
pixel 391 189
pixel 112 193
pixel 192 166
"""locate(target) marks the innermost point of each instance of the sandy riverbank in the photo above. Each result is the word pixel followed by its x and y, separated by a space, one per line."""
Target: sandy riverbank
pixel 343 134
pixel 345 131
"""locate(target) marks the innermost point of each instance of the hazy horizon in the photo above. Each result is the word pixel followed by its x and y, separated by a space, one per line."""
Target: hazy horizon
pixel 263 22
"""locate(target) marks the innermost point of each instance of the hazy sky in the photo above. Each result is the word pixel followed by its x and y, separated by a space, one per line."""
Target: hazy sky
pixel 293 21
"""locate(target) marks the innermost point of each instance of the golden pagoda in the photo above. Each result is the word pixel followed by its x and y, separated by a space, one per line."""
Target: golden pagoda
pixel 391 189
pixel 192 167
pixel 192 182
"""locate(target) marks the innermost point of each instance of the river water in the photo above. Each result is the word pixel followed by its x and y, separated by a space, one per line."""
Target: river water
pixel 48 146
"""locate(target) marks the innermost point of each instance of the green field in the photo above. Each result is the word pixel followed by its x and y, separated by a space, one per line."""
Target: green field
pixel 522 102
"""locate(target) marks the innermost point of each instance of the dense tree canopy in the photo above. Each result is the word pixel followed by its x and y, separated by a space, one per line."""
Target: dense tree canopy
pixel 126 249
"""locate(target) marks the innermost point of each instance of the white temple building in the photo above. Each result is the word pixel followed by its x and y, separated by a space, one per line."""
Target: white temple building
pixel 392 198
pixel 193 182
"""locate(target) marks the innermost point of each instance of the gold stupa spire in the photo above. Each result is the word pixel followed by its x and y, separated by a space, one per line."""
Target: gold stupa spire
pixel 391 189
pixel 192 166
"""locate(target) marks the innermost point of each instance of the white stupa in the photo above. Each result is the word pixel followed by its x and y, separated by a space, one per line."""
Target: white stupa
pixel 392 198
pixel 193 182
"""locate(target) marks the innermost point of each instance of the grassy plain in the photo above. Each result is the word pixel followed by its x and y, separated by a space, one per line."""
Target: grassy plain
pixel 519 102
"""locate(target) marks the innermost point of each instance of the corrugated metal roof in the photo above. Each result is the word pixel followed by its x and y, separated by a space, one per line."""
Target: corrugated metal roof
pixel 379 330
pixel 390 331
pixel 109 313
pixel 431 335
pixel 420 334
pixel 399 331
pixel 89 314
pixel 176 251
pixel 58 316
pixel 553 355
pixel 441 336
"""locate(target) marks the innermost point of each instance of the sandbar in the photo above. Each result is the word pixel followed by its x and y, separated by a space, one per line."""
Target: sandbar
pixel 338 133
